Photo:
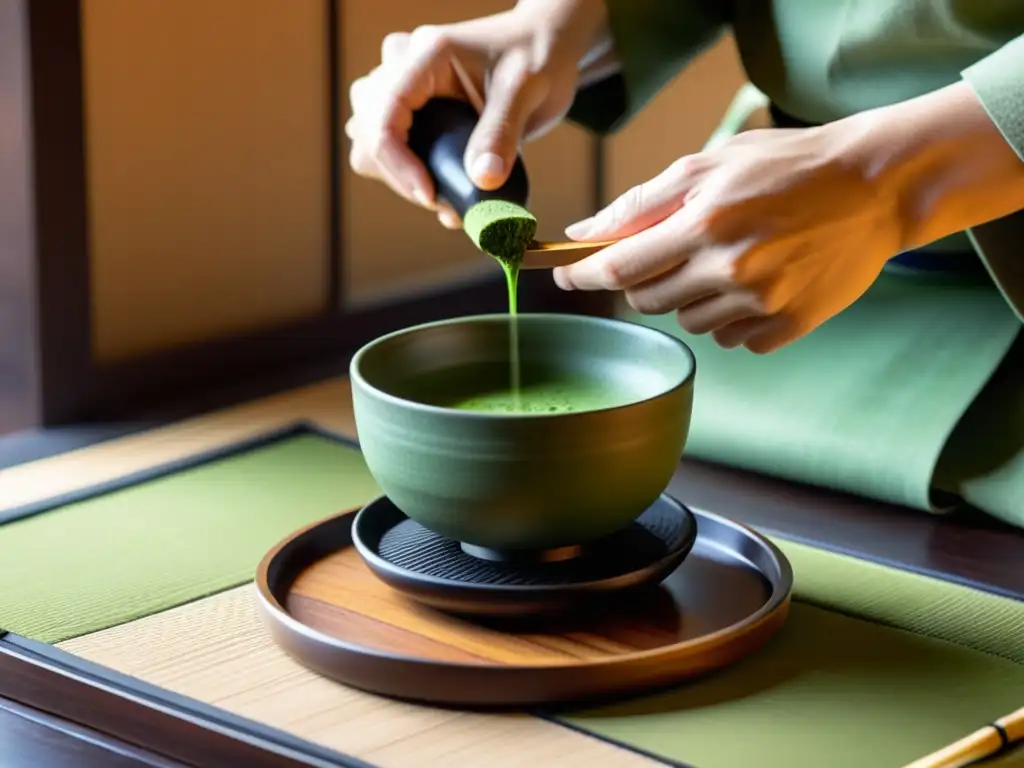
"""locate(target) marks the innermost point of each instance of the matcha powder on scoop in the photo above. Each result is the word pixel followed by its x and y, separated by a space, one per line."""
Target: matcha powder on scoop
pixel 501 229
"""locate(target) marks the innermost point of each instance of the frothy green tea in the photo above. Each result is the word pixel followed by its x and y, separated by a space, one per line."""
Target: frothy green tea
pixel 543 397
pixel 504 231
pixel 544 389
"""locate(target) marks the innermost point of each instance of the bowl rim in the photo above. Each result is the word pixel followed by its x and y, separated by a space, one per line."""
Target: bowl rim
pixel 358 380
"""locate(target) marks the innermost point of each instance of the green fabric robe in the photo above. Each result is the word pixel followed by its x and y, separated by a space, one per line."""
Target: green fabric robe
pixel 915 394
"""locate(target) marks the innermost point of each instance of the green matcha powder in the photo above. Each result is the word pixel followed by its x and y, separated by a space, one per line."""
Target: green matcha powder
pixel 504 231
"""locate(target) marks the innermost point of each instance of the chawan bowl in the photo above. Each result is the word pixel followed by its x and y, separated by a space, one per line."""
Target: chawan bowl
pixel 515 482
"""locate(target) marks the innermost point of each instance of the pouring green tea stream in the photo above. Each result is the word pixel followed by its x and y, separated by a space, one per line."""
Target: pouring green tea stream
pixel 497 221
pixel 504 231
pixel 501 226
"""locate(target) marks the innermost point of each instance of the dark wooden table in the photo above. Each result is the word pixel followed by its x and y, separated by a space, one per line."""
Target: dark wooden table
pixel 32 739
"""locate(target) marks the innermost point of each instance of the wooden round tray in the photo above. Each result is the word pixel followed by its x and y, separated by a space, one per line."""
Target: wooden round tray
pixel 326 609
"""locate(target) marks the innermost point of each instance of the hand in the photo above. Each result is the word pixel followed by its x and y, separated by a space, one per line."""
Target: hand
pixel 765 238
pixel 525 63
pixel 757 242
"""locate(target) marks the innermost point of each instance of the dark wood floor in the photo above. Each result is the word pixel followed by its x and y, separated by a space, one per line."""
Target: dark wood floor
pixel 32 739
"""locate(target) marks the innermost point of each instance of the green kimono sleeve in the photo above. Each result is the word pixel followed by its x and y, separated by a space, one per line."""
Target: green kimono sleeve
pixel 654 40
pixel 998 81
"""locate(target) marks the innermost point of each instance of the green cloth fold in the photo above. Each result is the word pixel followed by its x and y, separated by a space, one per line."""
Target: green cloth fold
pixel 867 402
pixel 998 81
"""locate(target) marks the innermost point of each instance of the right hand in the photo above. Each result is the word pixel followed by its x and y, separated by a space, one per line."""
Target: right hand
pixel 525 63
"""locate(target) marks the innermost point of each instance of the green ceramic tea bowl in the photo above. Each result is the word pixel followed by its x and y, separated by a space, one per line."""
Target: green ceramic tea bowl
pixel 600 424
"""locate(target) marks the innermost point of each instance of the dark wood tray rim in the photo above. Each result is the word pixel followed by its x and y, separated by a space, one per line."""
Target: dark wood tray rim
pixel 490 685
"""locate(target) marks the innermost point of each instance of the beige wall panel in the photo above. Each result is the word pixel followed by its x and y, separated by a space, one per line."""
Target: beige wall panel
pixel 391 246
pixel 208 167
pixel 678 121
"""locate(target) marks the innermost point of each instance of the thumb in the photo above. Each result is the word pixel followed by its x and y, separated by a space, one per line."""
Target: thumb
pixel 511 99
pixel 638 208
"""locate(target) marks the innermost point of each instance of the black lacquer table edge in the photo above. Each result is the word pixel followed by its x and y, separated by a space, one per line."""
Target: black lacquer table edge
pixel 137 713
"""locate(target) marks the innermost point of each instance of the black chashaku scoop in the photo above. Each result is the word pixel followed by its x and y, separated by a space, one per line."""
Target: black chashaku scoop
pixel 439 135
pixel 497 221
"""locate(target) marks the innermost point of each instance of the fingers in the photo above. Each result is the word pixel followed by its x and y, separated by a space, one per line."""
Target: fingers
pixel 690 284
pixel 365 164
pixel 719 311
pixel 512 96
pixel 410 77
pixel 760 335
pixel 448 218
pixel 642 206
pixel 418 66
pixel 774 330
pixel 383 103
pixel 736 333
pixel 638 258
pixel 394 46
pixel 374 147
pixel 802 315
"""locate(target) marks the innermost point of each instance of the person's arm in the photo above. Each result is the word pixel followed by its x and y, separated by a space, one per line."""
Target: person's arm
pixel 956 154
pixel 652 40
pixel 763 239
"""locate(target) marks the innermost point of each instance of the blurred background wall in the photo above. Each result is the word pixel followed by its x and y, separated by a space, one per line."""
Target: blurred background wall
pixel 208 165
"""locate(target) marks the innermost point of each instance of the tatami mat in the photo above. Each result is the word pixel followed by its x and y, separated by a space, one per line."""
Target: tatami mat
pixel 217 651
pixel 131 552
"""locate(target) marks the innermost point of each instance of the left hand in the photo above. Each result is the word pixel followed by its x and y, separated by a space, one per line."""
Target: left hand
pixel 757 242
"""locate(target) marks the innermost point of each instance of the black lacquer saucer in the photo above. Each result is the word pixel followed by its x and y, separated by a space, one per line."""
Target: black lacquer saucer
pixel 441 573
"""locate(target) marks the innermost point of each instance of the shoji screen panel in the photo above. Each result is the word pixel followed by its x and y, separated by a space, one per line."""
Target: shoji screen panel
pixel 208 167
pixel 391 247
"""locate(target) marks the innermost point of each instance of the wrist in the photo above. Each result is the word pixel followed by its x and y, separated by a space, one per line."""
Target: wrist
pixel 939 159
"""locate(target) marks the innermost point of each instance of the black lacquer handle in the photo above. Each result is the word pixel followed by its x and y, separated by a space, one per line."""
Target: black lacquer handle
pixel 439 134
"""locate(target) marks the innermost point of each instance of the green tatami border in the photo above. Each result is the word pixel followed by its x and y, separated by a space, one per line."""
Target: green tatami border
pixel 53 503
pixel 233 482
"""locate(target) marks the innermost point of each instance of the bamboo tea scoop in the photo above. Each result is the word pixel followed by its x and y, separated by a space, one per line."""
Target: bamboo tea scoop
pixel 438 136
pixel 984 743
pixel 544 255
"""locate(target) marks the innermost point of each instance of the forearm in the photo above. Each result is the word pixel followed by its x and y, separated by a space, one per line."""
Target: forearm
pixel 942 159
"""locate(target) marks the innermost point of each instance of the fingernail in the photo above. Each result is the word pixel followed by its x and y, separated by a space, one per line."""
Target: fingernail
pixel 422 198
pixel 580 229
pixel 486 167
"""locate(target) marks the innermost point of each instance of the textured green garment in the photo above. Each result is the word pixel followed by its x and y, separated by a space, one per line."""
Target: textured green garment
pixel 895 399
pixel 820 60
